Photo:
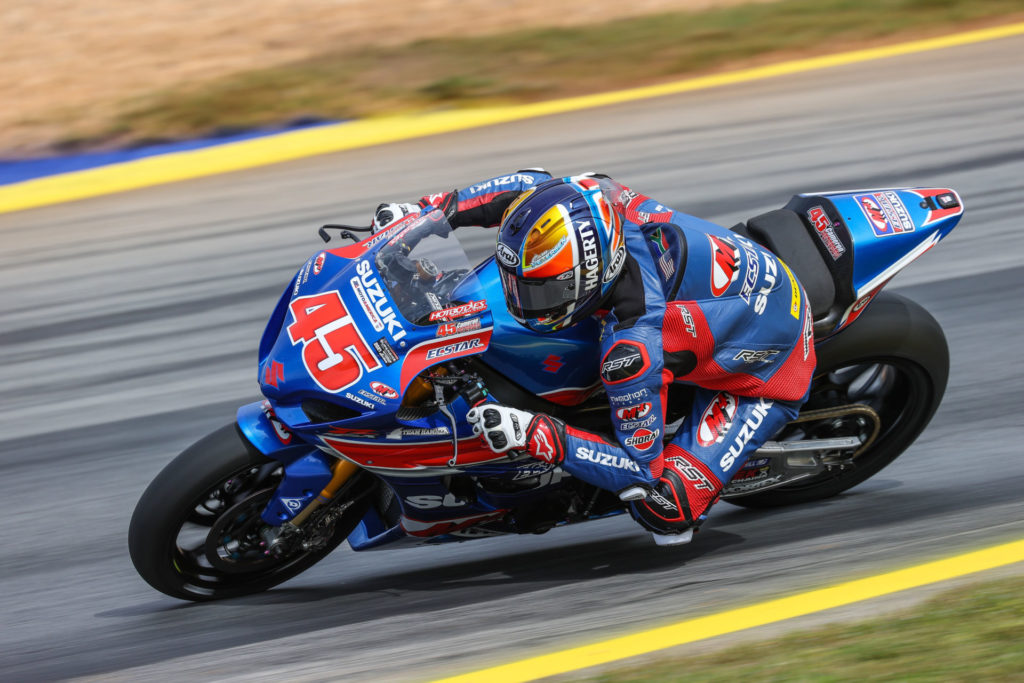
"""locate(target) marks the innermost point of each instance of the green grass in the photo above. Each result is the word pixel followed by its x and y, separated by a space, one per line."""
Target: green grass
pixel 972 634
pixel 531 65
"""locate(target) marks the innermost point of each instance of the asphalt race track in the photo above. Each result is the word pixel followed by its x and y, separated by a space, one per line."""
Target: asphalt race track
pixel 130 324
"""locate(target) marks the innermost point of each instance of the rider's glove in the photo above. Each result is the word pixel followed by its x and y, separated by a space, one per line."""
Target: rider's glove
pixel 387 214
pixel 503 429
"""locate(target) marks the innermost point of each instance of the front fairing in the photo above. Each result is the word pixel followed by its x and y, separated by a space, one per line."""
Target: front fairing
pixel 357 324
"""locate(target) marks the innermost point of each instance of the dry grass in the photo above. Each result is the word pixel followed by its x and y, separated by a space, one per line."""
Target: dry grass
pixel 75 62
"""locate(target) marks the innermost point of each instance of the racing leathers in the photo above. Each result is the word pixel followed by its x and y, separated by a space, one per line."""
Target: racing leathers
pixel 694 304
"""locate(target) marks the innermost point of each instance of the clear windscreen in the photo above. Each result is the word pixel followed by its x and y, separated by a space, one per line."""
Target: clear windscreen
pixel 423 266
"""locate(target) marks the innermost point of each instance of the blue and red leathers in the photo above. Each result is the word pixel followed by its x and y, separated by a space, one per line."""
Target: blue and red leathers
pixel 694 303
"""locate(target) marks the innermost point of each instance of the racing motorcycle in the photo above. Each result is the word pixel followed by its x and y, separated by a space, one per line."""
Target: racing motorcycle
pixel 376 350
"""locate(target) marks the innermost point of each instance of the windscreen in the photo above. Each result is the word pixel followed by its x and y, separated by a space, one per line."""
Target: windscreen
pixel 423 265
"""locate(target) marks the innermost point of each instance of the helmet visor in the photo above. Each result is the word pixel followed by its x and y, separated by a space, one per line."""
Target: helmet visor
pixel 538 298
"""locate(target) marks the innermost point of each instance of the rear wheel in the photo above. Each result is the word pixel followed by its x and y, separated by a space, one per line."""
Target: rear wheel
pixel 895 361
pixel 197 533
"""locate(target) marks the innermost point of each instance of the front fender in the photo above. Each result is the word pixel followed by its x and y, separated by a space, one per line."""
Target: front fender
pixel 307 470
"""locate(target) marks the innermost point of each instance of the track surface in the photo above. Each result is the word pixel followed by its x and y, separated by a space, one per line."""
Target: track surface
pixel 129 328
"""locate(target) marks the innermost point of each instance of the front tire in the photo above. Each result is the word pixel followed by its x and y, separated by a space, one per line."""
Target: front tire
pixel 194 534
pixel 894 358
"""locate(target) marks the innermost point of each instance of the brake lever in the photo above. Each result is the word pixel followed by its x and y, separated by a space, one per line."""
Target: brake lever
pixel 346 231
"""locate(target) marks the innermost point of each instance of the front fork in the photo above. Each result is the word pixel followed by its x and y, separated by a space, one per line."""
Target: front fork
pixel 311 478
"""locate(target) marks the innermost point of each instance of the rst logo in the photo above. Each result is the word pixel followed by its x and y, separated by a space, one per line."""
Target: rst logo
pixel 633 412
pixel 333 349
pixel 725 264
pixel 716 420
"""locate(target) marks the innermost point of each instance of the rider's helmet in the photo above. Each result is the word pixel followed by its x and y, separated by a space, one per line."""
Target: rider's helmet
pixel 560 248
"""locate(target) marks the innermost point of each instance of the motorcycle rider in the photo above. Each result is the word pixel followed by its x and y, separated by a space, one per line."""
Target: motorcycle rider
pixel 679 299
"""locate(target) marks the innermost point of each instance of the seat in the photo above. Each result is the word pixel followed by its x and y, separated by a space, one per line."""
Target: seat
pixel 785 235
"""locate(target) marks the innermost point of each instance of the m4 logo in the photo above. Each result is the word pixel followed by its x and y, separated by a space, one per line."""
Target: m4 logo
pixel 333 350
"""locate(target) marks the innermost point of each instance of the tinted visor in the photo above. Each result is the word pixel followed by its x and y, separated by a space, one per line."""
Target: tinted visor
pixel 540 298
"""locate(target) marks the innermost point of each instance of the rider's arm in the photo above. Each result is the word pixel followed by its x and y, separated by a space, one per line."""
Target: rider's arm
pixel 635 379
pixel 485 202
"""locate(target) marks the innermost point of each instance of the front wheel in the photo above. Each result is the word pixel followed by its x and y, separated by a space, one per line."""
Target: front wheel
pixel 196 533
pixel 893 360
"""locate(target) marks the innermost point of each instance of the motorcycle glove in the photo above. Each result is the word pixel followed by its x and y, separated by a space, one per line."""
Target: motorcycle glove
pixel 387 214
pixel 504 429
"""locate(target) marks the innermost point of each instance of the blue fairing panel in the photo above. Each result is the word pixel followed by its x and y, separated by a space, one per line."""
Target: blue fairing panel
pixel 544 364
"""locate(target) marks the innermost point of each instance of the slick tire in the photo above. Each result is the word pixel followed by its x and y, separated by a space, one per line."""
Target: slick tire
pixel 173 502
pixel 895 333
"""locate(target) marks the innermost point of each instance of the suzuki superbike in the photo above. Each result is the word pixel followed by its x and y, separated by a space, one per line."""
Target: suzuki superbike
pixel 376 350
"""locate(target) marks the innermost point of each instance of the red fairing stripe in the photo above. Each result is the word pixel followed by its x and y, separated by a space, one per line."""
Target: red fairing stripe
pixel 435 351
pixel 399 455
pixel 425 529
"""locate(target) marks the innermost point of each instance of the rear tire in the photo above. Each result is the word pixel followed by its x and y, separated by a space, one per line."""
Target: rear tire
pixel 175 538
pixel 904 347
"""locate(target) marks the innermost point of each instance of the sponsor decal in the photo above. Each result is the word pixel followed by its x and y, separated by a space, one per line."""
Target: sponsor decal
pixel 454 349
pixel 273 372
pixel 725 264
pixel 384 350
pixel 380 301
pixel 746 433
pixel 691 473
pixel 544 442
pixel 360 401
pixel 448 329
pixel 629 397
pixel 503 180
pixel 885 212
pixel 553 364
pixel 546 255
pixel 616 265
pixel 384 390
pixel 771 271
pixel 750 273
pixel 506 255
pixel 637 424
pixel 402 432
pixel 280 431
pixel 590 261
pixel 532 470
pixel 318 263
pixel 364 301
pixel 642 439
pixel 716 420
pixel 606 460
pixel 428 502
pixel 794 293
pixel 854 311
pixel 633 412
pixel 757 356
pixel 372 396
pixel 826 232
pixel 688 324
pixel 434 302
pixel 460 311
pixel 293 504
pixel 623 361
pixel 301 279
pixel 334 352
